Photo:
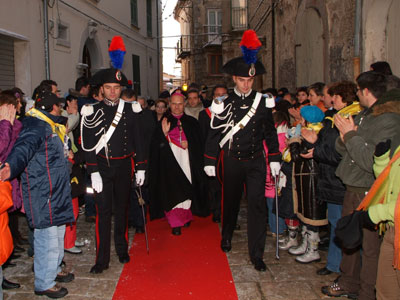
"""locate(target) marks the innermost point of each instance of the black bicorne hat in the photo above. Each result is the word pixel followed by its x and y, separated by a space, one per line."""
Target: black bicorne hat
pixel 238 67
pixel 110 75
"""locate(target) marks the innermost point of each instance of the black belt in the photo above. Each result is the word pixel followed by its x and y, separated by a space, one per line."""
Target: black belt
pixel 246 158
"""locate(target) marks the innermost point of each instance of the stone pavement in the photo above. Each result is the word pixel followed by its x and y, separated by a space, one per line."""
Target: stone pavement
pixel 284 279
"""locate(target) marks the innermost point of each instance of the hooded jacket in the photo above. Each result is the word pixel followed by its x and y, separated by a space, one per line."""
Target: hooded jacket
pixel 8 135
pixel 39 155
pixel 375 124
pixel 6 241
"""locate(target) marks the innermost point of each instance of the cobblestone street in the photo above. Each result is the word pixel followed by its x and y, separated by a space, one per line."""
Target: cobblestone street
pixel 284 279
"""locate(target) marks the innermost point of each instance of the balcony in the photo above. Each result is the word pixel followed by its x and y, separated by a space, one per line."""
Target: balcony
pixel 183 48
pixel 239 18
pixel 214 36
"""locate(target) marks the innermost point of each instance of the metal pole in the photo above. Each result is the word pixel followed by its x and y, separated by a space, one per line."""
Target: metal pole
pixel 46 40
pixel 277 217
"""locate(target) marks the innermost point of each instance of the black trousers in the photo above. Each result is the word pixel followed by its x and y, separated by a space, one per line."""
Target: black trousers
pixel 214 188
pixel 117 180
pixel 236 175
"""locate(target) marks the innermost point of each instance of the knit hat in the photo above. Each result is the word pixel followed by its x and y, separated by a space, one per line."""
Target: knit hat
pixel 312 114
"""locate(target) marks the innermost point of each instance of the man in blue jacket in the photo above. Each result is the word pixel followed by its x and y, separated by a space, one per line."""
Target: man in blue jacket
pixel 40 156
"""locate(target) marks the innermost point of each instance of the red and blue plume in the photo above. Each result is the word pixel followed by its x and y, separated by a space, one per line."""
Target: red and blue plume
pixel 117 52
pixel 250 45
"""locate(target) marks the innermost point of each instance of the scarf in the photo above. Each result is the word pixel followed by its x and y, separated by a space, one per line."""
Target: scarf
pixel 350 110
pixel 55 127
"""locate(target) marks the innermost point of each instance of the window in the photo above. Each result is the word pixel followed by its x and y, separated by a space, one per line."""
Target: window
pixel 149 18
pixel 214 26
pixel 136 73
pixel 134 13
pixel 63 34
pixel 239 14
pixel 214 64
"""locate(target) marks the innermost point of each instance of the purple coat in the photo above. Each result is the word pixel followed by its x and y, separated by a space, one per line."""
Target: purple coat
pixel 8 136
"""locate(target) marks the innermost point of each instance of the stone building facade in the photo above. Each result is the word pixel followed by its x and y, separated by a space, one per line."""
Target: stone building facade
pixel 79 32
pixel 304 41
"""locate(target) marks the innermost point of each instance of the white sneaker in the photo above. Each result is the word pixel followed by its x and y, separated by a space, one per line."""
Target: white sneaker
pixel 73 250
pixel 79 244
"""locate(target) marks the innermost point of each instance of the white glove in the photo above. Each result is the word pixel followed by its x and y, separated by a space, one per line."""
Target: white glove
pixel 97 182
pixel 140 177
pixel 210 170
pixel 275 168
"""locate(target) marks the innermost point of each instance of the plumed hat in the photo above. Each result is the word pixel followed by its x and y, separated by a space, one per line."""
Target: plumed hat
pixel 116 52
pixel 312 114
pixel 247 65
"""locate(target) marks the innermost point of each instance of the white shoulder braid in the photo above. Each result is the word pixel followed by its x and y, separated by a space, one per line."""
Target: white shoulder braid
pixel 87 110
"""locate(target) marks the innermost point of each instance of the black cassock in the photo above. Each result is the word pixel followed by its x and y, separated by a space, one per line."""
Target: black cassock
pixel 168 185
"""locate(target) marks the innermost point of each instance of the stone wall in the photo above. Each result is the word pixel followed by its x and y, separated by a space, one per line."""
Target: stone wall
pixel 337 18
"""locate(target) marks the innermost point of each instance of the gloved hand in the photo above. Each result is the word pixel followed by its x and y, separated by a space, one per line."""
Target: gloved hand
pixel 140 177
pixel 210 170
pixel 349 228
pixel 275 168
pixel 97 182
pixel 382 148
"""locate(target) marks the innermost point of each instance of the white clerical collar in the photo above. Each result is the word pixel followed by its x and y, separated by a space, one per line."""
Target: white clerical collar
pixel 110 103
pixel 240 94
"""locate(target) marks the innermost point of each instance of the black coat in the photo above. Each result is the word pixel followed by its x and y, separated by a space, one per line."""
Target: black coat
pixel 330 188
pixel 126 141
pixel 168 185
pixel 247 142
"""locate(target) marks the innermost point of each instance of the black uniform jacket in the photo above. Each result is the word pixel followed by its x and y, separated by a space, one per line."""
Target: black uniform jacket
pixel 247 142
pixel 168 184
pixel 126 141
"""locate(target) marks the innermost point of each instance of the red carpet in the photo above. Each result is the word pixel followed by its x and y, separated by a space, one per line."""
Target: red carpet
pixel 189 266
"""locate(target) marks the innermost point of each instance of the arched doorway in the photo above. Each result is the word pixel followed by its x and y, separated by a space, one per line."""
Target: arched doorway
pixel 91 60
pixel 309 48
pixel 86 61
pixel 392 37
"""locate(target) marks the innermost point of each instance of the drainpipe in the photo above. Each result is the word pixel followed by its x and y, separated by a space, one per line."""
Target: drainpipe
pixel 158 49
pixel 357 33
pixel 46 40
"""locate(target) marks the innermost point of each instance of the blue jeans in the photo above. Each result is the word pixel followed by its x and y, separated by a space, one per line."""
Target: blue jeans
pixel 272 218
pixel 49 252
pixel 334 252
